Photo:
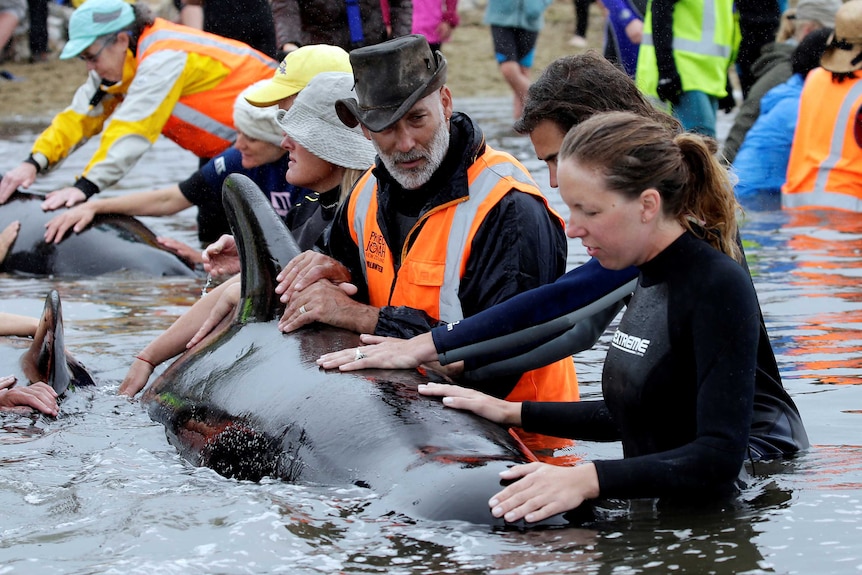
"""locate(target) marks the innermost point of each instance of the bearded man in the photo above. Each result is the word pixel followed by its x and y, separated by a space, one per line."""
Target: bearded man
pixel 442 227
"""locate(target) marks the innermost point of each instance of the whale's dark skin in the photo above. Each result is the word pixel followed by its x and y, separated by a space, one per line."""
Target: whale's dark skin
pixel 112 243
pixel 250 402
pixel 44 358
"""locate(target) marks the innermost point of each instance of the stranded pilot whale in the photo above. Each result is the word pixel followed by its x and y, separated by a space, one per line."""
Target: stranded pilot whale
pixel 45 357
pixel 250 402
pixel 111 243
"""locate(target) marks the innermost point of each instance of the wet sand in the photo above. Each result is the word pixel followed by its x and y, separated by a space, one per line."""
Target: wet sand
pixel 46 88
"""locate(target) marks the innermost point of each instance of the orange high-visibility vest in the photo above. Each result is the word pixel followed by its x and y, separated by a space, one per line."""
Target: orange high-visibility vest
pixel 432 267
pixel 202 119
pixel 825 166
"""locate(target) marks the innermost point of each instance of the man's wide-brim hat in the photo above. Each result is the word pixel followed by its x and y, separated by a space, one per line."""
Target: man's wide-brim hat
pixel 389 78
pixel 844 53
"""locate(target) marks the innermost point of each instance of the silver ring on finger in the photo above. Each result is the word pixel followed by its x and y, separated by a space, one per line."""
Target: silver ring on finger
pixel 357 355
pixel 302 309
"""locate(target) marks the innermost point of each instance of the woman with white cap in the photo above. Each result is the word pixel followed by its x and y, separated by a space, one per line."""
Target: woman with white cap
pixel 257 153
pixel 326 157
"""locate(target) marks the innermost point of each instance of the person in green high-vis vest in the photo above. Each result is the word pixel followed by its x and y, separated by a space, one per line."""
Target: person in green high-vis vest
pixel 686 51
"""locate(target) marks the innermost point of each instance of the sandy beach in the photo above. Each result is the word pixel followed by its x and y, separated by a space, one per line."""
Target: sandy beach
pixel 46 88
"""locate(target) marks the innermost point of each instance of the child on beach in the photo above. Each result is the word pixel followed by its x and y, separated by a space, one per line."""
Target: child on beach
pixel 515 26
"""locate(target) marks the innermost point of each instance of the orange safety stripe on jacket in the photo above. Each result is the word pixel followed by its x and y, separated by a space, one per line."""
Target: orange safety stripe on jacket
pixel 202 120
pixel 825 166
pixel 421 282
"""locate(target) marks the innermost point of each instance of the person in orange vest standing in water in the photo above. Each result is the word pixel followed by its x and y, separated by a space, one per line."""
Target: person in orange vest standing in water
pixel 146 76
pixel 825 167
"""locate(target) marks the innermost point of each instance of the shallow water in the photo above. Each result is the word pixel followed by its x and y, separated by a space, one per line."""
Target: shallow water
pixel 99 490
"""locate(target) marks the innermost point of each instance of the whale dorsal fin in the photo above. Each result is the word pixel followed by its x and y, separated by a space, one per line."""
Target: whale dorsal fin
pixel 46 359
pixel 264 243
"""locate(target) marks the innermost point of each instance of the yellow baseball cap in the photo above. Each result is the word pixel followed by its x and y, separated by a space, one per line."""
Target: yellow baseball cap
pixel 296 71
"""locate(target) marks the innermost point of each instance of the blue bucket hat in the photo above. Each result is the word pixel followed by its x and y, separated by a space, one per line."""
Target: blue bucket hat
pixel 93 19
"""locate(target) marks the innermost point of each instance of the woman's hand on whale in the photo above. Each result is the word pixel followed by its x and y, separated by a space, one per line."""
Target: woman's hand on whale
pixel 383 353
pixel 20 177
pixel 497 410
pixel 64 197
pixel 541 490
pixel 76 219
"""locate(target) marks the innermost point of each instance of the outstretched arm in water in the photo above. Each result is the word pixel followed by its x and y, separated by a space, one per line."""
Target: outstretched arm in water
pixel 224 308
pixel 21 325
pixel 172 341
pixel 162 202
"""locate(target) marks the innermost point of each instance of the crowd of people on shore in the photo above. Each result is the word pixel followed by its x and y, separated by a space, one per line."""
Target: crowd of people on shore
pixel 690 62
pixel 442 250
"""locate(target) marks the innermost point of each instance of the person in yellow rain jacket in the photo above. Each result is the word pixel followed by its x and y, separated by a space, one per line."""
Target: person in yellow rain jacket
pixel 146 76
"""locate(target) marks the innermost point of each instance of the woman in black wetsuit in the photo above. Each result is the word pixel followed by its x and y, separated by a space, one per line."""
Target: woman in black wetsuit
pixel 679 378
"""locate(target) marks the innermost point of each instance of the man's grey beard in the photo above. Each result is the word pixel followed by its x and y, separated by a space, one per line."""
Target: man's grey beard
pixel 416 178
